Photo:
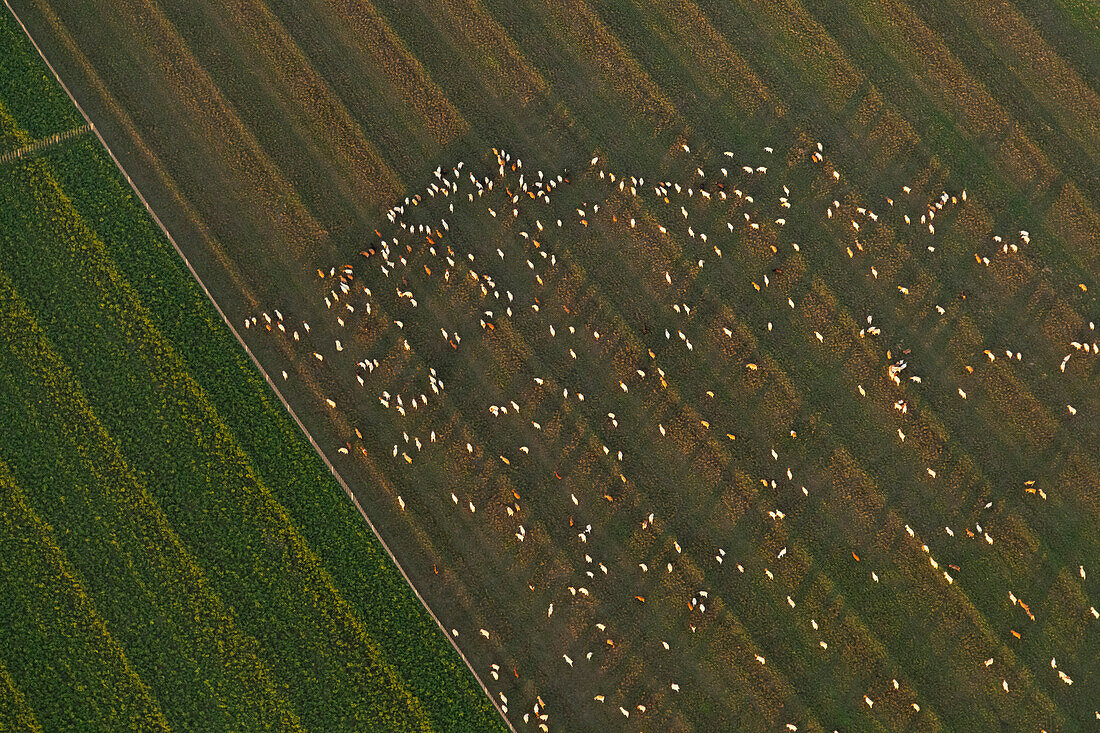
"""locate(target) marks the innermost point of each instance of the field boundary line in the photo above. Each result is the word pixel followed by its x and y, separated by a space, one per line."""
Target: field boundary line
pixel 267 377
pixel 54 139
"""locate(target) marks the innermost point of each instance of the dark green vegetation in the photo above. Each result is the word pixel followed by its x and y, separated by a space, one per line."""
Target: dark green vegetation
pixel 271 135
pixel 174 554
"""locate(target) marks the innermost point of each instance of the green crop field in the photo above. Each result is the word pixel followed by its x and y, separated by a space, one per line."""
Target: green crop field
pixel 174 554
pixel 716 366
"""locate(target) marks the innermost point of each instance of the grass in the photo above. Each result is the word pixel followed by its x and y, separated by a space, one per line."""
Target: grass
pixel 272 137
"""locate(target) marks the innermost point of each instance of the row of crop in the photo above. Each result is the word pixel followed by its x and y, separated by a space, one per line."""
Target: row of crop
pixel 253 556
pixel 15 712
pixel 27 88
pixel 11 137
pixel 62 668
pixel 280 456
pixel 153 597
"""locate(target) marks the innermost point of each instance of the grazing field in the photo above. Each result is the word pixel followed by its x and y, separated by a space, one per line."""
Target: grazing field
pixel 832 469
pixel 174 554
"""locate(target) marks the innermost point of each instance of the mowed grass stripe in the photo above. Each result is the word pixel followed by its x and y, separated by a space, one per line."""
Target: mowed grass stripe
pixel 55 645
pixel 503 64
pixel 571 380
pixel 284 90
pixel 1070 223
pixel 628 112
pixel 1064 93
pixel 794 35
pixel 187 95
pixel 298 479
pixel 404 72
pixel 1074 41
pixel 491 98
pixel 592 42
pixel 290 138
pixel 780 602
pixel 206 487
pixel 397 131
pixel 602 60
pixel 1002 537
pixel 706 99
pixel 489 468
pixel 943 80
pixel 853 285
pixel 635 642
pixel 1035 85
pixel 490 461
pixel 1084 15
pixel 690 491
pixel 727 69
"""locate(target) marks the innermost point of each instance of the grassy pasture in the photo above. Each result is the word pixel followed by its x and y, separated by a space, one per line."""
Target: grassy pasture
pixel 272 136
